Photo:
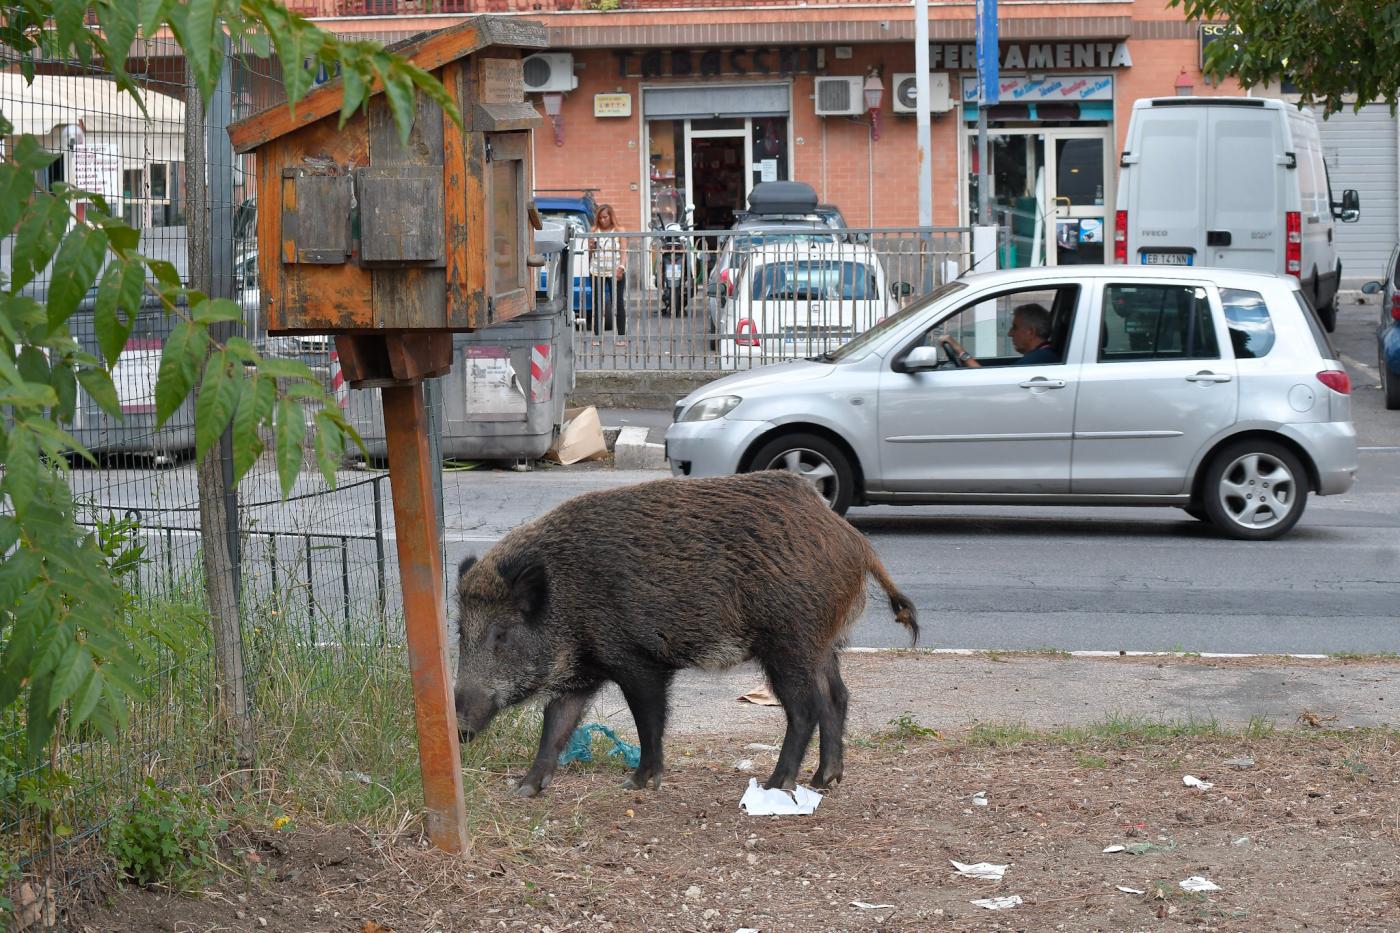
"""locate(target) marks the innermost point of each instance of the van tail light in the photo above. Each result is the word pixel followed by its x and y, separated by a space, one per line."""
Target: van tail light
pixel 1293 244
pixel 1120 237
pixel 746 326
pixel 1335 379
pixel 1395 306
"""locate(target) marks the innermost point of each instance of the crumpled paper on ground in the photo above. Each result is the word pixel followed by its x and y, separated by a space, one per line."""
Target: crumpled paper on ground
pixel 998 903
pixel 984 871
pixel 1191 780
pixel 758 801
pixel 1198 883
pixel 763 696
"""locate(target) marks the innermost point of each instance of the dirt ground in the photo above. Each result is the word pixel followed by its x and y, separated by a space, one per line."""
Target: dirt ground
pixel 1305 837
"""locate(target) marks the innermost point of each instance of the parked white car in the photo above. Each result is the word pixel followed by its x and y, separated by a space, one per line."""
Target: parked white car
pixel 1212 390
pixel 802 298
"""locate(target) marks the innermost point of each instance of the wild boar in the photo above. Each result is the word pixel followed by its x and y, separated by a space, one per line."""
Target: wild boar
pixel 633 584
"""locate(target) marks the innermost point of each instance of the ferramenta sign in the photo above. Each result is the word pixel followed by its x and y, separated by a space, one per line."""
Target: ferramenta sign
pixel 1034 56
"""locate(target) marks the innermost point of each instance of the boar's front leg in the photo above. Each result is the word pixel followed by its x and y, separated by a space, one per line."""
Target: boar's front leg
pixel 561 716
pixel 647 696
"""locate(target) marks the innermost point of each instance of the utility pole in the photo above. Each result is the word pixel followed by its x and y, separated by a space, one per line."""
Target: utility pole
pixel 988 94
pixel 925 137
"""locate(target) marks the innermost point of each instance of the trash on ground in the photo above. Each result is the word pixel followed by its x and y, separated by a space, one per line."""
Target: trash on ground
pixel 1111 849
pixel 763 696
pixel 580 746
pixel 1314 720
pixel 743 764
pixel 979 799
pixel 758 801
pixel 1142 848
pixel 1198 883
pixel 1242 841
pixel 746 930
pixel 864 906
pixel 760 747
pixel 983 870
pixel 1127 890
pixel 1193 781
pixel 998 903
pixel 580 438
pixel 1242 762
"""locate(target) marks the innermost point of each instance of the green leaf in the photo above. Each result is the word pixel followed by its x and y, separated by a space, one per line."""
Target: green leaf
pixel 41 719
pixel 16 184
pixel 21 467
pixel 65 387
pixel 69 675
pixel 118 22
pixel 256 398
pixel 152 12
pixel 218 397
pixel 286 369
pixel 111 332
pixel 68 18
pixel 330 446
pixel 179 364
pixel 355 91
pixel 97 383
pixel 220 309
pixel 31 157
pixel 74 271
pixel 86 697
pixel 40 229
pixel 291 432
pixel 165 273
pixel 241 349
pixel 199 44
pixel 398 89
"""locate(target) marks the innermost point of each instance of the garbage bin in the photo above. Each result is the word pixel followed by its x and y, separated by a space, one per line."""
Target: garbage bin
pixel 504 398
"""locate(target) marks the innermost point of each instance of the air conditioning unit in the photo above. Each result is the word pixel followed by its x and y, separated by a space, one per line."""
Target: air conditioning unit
pixel 549 72
pixel 840 97
pixel 906 91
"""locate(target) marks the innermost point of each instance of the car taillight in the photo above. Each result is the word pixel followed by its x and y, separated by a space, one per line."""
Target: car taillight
pixel 1395 306
pixel 1335 379
pixel 1120 237
pixel 1293 244
pixel 728 281
pixel 746 326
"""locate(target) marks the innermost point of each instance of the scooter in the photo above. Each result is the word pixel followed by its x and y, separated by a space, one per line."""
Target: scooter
pixel 676 260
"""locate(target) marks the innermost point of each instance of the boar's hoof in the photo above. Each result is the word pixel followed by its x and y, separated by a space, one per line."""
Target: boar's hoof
pixel 787 784
pixel 638 781
pixel 821 780
pixel 531 786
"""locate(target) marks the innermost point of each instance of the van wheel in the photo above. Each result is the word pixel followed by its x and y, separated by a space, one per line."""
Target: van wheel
pixel 1326 314
pixel 1255 490
pixel 1390 386
pixel 816 460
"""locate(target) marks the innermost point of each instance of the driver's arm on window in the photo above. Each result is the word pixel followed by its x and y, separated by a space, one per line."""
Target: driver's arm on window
pixel 965 358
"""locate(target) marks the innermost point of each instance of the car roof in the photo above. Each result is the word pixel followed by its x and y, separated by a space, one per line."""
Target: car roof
pixel 1198 273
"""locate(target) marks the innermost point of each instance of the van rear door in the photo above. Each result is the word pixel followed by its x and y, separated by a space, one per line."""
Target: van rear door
pixel 1244 200
pixel 1165 182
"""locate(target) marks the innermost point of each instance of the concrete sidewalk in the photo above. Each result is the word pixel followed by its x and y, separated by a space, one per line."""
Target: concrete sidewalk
pixel 955 692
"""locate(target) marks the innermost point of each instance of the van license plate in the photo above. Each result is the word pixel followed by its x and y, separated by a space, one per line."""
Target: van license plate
pixel 1166 259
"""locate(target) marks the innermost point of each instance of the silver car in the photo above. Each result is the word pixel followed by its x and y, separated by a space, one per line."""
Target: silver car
pixel 1211 390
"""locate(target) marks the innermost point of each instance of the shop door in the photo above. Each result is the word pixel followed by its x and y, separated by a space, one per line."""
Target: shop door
pixel 1049 188
pixel 717 175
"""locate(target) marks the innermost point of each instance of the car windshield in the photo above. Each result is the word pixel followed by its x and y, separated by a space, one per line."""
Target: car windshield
pixel 806 279
pixel 862 343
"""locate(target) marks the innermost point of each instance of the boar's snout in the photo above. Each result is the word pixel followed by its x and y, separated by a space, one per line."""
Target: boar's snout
pixel 475 710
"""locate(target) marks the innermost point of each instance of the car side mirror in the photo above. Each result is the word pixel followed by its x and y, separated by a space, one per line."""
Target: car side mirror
pixel 920 359
pixel 714 289
pixel 1372 288
pixel 1351 207
pixel 901 289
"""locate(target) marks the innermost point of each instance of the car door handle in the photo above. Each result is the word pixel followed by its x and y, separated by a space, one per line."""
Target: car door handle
pixel 1040 382
pixel 1205 376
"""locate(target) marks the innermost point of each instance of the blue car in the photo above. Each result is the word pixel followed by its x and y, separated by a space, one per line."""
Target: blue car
pixel 1388 330
pixel 575 208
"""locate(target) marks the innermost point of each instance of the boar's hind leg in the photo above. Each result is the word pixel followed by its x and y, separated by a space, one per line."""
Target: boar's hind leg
pixel 833 724
pixel 804 704
pixel 561 716
pixel 646 693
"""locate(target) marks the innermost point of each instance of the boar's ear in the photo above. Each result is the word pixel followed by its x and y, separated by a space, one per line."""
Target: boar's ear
pixel 528 585
pixel 467 563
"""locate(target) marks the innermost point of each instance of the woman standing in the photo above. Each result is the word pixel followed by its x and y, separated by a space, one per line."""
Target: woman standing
pixel 607 265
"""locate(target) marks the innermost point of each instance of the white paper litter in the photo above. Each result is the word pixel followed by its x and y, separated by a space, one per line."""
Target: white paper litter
pixel 985 871
pixel 1197 883
pixel 998 903
pixel 743 764
pixel 1127 890
pixel 979 799
pixel 864 906
pixel 759 747
pixel 746 930
pixel 758 801
pixel 1193 781
pixel 1111 849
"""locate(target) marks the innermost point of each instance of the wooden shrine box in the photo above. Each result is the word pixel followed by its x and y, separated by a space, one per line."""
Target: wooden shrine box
pixel 359 232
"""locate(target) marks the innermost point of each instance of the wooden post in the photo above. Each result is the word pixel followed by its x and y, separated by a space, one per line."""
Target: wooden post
pixel 425 614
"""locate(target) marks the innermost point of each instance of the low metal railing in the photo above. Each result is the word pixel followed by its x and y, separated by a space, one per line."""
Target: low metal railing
pixel 720 300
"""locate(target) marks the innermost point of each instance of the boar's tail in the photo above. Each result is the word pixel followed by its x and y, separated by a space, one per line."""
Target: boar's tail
pixel 904 612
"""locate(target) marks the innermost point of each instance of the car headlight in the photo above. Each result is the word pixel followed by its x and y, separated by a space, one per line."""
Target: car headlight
pixel 711 408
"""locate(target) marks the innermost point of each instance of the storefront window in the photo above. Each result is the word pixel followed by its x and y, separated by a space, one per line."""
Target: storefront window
pixel 770 162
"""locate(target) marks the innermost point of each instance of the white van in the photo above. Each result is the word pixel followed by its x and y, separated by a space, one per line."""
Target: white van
pixel 1234 182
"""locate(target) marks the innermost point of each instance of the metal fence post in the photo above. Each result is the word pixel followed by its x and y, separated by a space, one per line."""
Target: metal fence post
pixel 380 564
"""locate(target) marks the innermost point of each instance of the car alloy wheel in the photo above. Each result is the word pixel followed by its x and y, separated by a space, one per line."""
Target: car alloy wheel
pixel 1256 490
pixel 815 459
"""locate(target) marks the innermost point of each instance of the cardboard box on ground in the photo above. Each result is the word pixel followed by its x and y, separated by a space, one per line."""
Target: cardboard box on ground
pixel 581 437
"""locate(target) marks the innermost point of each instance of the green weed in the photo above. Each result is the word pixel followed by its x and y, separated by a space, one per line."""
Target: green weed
pixel 166 835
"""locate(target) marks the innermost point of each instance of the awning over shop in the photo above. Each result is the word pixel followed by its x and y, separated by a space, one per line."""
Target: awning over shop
pixel 58 100
pixel 732 100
